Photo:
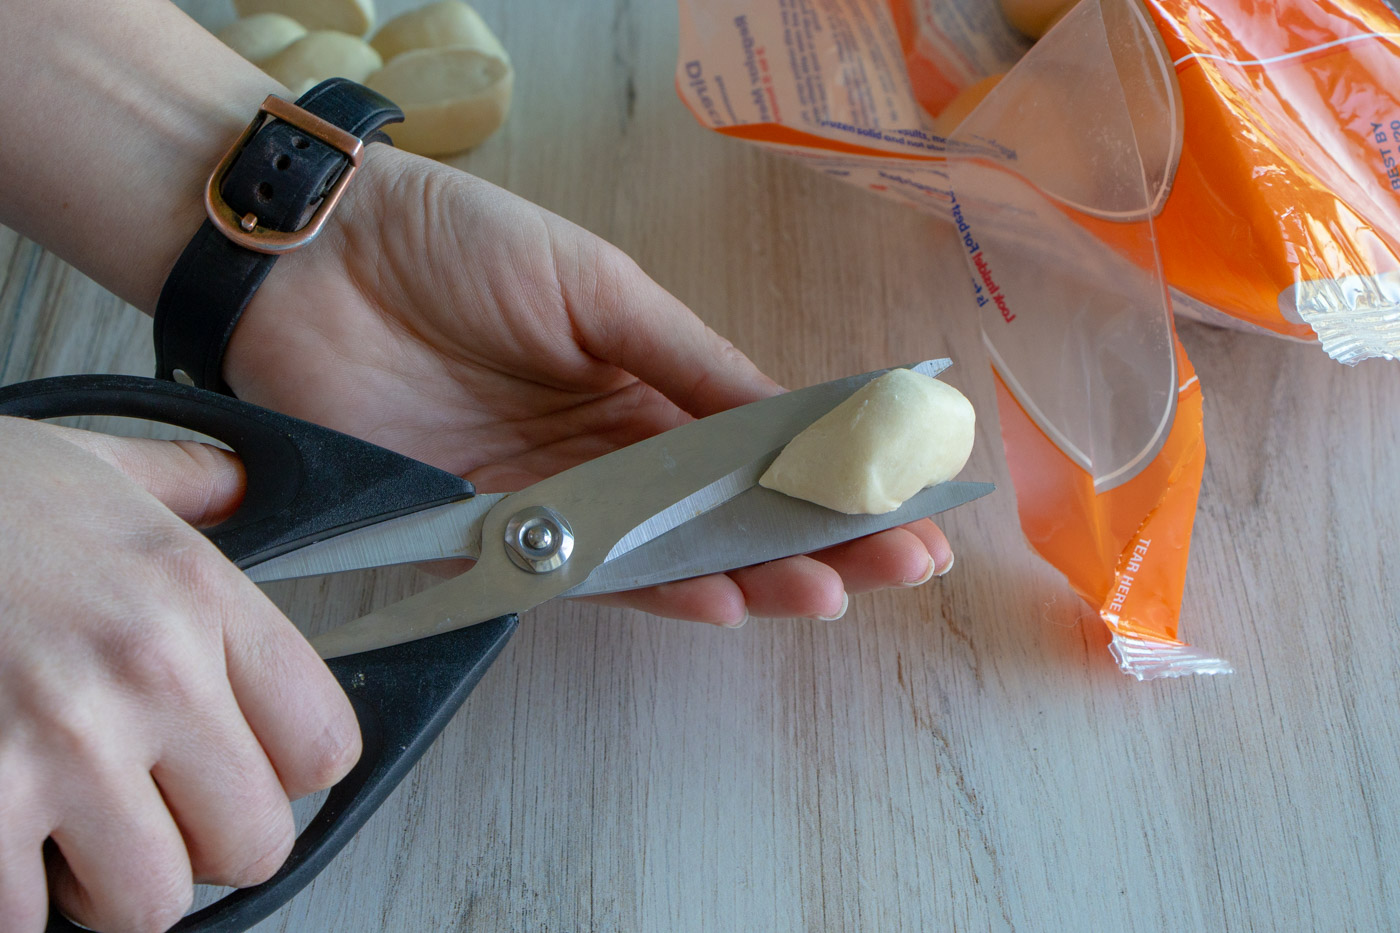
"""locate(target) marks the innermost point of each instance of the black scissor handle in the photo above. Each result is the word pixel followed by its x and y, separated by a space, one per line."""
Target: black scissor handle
pixel 306 483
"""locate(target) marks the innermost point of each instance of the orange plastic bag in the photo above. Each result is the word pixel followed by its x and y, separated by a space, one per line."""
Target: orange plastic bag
pixel 1100 409
pixel 1285 211
pixel 1226 159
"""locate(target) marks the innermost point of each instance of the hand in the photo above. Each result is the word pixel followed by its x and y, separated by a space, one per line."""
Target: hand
pixel 449 320
pixel 156 711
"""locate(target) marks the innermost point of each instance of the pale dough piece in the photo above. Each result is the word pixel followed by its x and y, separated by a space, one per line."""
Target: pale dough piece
pixel 967 100
pixel 1034 17
pixel 437 25
pixel 261 36
pixel 321 55
pixel 452 98
pixel 350 16
pixel 896 435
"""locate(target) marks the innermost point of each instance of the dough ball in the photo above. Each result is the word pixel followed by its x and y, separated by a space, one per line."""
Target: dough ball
pixel 1034 17
pixel 452 98
pixel 967 100
pixel 437 25
pixel 897 435
pixel 261 36
pixel 350 16
pixel 321 55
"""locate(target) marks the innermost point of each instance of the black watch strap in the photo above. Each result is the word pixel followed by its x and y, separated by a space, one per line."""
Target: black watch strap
pixel 274 183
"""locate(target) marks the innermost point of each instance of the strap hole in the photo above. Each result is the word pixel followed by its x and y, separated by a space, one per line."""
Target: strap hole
pixel 300 142
pixel 281 163
pixel 264 192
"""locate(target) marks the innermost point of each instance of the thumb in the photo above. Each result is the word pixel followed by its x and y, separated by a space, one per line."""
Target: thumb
pixel 650 333
pixel 201 483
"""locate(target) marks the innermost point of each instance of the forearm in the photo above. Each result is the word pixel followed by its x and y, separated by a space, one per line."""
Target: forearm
pixel 114 115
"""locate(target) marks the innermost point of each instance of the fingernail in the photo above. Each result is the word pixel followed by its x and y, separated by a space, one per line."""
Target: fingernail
pixel 845 604
pixel 740 624
pixel 948 566
pixel 928 575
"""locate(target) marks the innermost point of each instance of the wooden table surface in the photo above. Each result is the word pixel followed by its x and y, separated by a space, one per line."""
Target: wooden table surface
pixel 962 756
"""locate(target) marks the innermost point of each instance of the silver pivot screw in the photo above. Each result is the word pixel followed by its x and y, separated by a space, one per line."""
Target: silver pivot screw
pixel 538 539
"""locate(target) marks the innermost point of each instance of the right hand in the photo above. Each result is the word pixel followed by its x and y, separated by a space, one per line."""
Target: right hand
pixel 157 712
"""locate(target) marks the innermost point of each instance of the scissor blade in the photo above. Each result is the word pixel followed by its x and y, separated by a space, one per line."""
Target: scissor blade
pixel 602 501
pixel 755 527
pixel 746 476
pixel 441 533
pixel 479 595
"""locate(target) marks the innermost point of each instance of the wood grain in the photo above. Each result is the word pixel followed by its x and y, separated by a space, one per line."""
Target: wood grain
pixel 964 756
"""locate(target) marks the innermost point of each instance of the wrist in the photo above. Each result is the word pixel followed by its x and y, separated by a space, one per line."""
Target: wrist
pixel 302 307
pixel 269 198
pixel 135 106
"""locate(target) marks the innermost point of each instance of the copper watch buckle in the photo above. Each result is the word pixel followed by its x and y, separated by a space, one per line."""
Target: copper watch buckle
pixel 244 229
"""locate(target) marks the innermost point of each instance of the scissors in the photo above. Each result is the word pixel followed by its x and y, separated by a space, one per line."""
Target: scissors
pixel 680 504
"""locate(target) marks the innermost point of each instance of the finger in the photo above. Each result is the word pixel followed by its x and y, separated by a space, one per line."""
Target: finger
pixel 23 828
pixel 288 696
pixel 226 798
pixel 904 556
pixel 935 542
pixel 649 333
pixel 201 483
pixel 124 866
pixel 793 587
pixel 23 895
pixel 714 600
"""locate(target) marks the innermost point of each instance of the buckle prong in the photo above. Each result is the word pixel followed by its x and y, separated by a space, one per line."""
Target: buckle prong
pixel 244 230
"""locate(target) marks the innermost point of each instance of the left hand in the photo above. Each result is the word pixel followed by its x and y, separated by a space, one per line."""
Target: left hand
pixel 449 320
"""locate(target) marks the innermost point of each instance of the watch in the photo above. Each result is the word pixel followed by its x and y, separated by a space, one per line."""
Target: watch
pixel 270 194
